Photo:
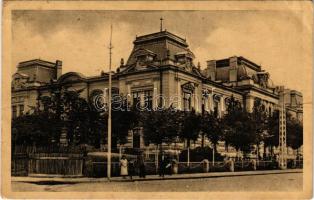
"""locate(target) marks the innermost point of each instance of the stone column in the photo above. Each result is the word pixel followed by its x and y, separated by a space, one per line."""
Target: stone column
pixel 142 100
pixel 179 95
pixel 129 95
pixel 206 103
pixel 211 102
pixel 155 93
pixel 222 106
pixel 197 99
pixel 249 103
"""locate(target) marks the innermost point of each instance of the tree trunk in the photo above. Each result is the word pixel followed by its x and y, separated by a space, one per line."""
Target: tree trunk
pixel 160 148
pixel 188 161
pixel 264 154
pixel 213 155
pixel 188 152
pixel 120 151
pixel 226 146
pixel 156 158
pixel 203 140
pixel 257 151
pixel 297 154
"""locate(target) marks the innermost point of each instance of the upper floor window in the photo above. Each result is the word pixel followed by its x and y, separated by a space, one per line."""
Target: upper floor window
pixel 21 109
pixel 14 111
pixel 188 90
pixel 136 99
pixel 216 109
pixel 148 98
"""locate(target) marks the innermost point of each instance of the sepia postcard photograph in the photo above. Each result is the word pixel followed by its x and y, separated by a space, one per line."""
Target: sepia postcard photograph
pixel 157 99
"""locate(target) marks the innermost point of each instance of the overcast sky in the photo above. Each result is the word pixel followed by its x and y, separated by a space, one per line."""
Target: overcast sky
pixel 273 39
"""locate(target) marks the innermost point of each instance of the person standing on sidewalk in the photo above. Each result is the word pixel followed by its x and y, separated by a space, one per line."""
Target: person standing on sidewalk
pixel 162 165
pixel 141 164
pixel 131 169
pixel 123 167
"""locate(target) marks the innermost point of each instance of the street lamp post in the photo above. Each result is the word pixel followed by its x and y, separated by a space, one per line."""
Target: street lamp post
pixel 109 111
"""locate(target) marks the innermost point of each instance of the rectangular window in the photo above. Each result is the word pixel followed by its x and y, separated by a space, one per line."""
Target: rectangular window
pixel 148 98
pixel 216 109
pixel 186 101
pixel 21 109
pixel 14 111
pixel 136 99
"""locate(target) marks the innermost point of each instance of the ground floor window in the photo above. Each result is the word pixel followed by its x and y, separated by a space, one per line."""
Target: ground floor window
pixel 21 109
pixel 186 101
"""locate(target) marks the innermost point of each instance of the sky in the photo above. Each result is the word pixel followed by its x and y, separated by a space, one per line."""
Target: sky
pixel 80 39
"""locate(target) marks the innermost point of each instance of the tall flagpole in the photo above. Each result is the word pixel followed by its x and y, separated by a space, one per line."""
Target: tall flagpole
pixel 109 111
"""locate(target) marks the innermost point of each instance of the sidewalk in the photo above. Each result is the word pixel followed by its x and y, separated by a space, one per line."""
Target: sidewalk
pixel 65 180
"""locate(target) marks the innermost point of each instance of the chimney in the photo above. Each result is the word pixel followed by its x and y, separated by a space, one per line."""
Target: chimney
pixel 211 69
pixel 58 69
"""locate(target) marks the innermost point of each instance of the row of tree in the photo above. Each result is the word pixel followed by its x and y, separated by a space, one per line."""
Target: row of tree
pixel 237 128
pixel 86 125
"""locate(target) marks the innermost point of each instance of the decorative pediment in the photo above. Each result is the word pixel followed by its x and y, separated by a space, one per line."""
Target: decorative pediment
pixel 142 51
pixel 188 87
pixel 71 77
pixel 137 67
pixel 217 97
pixel 206 93
pixel 227 101
pixel 20 75
pixel 19 80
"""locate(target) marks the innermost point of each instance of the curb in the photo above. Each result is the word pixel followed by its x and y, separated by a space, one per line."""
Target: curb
pixel 46 180
pixel 212 175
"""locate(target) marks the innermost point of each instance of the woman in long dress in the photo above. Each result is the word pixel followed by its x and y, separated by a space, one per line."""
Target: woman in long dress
pixel 123 167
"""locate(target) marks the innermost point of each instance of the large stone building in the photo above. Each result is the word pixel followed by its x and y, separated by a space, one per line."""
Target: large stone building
pixel 160 64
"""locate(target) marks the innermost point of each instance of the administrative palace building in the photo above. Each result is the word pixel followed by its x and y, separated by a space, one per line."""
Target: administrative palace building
pixel 160 63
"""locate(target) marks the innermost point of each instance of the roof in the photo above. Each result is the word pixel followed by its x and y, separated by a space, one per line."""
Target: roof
pixel 36 62
pixel 226 61
pixel 160 35
pixel 163 45
pixel 71 77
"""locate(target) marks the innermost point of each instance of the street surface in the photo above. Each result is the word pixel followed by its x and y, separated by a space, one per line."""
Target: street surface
pixel 271 182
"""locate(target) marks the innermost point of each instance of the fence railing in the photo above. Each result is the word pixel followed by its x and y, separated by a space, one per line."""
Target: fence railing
pixel 75 164
pixel 56 163
pixel 19 165
pixel 47 163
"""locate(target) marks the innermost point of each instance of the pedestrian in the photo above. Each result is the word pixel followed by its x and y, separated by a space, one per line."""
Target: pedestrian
pixel 123 167
pixel 162 165
pixel 168 166
pixel 131 169
pixel 142 168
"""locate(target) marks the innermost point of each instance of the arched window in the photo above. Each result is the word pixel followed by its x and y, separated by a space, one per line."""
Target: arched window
pixel 97 99
pixel 187 92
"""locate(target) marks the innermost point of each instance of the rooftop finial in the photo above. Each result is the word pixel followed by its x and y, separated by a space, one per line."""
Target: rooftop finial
pixel 161 24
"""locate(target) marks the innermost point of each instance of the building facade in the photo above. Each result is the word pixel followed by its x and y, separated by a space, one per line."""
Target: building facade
pixel 159 71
